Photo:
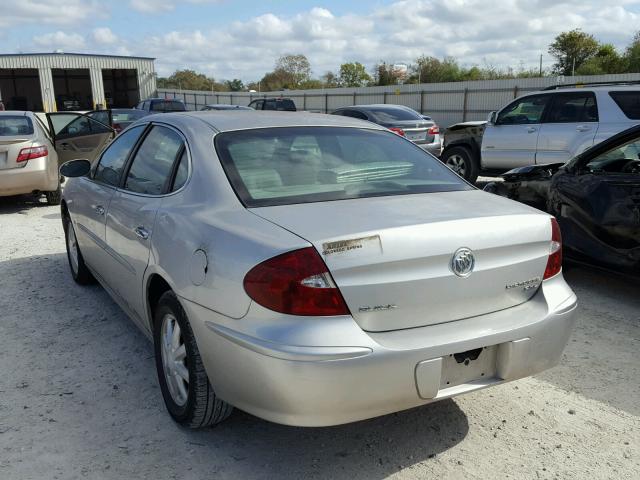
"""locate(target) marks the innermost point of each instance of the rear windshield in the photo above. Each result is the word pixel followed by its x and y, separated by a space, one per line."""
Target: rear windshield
pixel 629 103
pixel 167 106
pixel 12 125
pixel 284 104
pixel 282 166
pixel 385 115
pixel 128 116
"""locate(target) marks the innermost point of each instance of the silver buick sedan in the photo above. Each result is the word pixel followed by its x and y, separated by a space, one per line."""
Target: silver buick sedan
pixel 312 269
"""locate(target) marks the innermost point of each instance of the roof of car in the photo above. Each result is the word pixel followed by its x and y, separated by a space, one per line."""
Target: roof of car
pixel 223 121
pixel 377 106
pixel 589 88
pixel 14 113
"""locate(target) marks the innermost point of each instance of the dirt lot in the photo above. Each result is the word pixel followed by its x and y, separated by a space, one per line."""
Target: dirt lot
pixel 79 396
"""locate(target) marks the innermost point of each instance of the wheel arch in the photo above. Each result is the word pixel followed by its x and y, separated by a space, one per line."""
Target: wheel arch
pixel 155 286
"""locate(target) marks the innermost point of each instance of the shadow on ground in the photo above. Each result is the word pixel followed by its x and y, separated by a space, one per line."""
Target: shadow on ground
pixel 80 363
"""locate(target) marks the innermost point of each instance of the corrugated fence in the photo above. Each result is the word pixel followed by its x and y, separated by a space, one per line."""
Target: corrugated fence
pixel 447 103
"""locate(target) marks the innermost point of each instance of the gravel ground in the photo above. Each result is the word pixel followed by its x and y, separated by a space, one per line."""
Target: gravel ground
pixel 79 396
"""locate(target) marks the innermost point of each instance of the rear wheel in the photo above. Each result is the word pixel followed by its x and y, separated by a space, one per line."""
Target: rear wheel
pixel 185 386
pixel 79 270
pixel 461 161
pixel 53 198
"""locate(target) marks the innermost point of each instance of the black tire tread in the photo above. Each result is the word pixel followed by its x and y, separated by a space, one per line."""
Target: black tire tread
pixel 205 409
pixel 84 275
pixel 473 163
pixel 54 198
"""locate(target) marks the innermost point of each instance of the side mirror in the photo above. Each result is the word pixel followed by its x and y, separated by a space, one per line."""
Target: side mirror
pixel 491 119
pixel 75 168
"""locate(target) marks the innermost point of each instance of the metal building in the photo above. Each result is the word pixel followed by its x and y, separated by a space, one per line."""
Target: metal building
pixel 72 81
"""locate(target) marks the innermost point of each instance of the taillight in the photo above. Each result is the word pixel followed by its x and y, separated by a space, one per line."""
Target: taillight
pixel 399 131
pixel 554 263
pixel 30 153
pixel 117 127
pixel 295 283
pixel 435 130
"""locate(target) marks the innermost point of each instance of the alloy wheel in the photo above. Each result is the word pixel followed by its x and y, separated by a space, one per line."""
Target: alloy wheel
pixel 174 360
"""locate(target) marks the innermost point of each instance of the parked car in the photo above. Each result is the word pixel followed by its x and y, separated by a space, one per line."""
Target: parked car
pixel 399 119
pixel 30 154
pixel 550 126
pixel 279 104
pixel 326 270
pixel 595 197
pixel 161 105
pixel 223 106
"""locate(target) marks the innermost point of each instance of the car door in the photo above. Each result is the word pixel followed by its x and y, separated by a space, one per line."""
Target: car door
pixel 132 213
pixel 92 195
pixel 257 104
pixel 597 203
pixel 568 128
pixel 512 140
pixel 76 135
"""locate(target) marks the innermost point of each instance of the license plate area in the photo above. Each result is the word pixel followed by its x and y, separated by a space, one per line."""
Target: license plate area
pixel 469 366
pixel 416 137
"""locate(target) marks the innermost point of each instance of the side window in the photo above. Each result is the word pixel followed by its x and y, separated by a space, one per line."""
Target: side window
pixel 573 108
pixel 269 105
pixel 622 159
pixel 256 104
pixel 524 111
pixel 181 172
pixel 111 164
pixel 629 103
pixel 66 125
pixel 151 167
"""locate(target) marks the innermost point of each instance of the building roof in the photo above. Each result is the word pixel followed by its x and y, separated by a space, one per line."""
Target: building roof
pixel 60 54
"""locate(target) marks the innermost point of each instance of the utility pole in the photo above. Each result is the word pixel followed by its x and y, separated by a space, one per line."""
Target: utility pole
pixel 540 64
pixel 573 68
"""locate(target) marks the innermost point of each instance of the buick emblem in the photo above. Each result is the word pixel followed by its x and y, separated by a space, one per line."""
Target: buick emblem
pixel 462 262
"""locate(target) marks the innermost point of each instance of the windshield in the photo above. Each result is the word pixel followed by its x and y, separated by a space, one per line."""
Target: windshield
pixel 12 125
pixel 282 166
pixel 167 106
pixel 386 115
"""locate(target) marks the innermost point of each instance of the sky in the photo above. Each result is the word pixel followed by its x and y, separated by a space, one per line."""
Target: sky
pixel 229 39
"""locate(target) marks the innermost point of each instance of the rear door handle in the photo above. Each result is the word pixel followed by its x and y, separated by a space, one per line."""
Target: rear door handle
pixel 142 232
pixel 532 129
pixel 99 209
pixel 583 128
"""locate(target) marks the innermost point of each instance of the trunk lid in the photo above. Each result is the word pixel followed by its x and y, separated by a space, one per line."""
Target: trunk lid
pixel 415 130
pixel 390 256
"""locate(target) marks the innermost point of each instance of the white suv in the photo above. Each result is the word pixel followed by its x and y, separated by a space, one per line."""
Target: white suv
pixel 555 124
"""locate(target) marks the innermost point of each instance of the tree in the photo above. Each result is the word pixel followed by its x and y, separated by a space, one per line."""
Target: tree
pixel 353 75
pixel 235 85
pixel 430 70
pixel 384 74
pixel 297 67
pixel 571 49
pixel 632 54
pixel 330 80
pixel 190 80
pixel 606 60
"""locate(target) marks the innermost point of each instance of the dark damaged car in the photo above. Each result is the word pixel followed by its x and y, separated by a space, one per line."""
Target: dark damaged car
pixel 595 197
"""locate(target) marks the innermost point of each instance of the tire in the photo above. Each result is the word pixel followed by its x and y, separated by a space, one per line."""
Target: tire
pixel 79 271
pixel 195 405
pixel 53 198
pixel 461 161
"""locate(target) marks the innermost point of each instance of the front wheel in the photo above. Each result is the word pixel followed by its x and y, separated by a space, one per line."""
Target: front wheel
pixel 185 386
pixel 461 161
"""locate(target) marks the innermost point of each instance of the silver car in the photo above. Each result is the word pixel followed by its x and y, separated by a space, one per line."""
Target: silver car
pixel 30 150
pixel 312 269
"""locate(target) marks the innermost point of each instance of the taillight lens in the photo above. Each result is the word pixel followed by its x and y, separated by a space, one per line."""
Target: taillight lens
pixel 295 283
pixel 554 263
pixel 435 130
pixel 399 131
pixel 30 153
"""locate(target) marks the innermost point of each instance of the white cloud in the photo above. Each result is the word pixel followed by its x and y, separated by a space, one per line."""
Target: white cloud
pixel 104 36
pixel 159 6
pixel 51 12
pixel 60 40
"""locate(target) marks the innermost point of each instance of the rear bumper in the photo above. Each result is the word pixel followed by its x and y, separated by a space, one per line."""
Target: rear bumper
pixel 38 175
pixel 272 368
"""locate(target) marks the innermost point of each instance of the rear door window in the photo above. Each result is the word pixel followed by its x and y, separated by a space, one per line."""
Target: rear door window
pixel 629 103
pixel 152 165
pixel 573 108
pixel 111 164
pixel 354 114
